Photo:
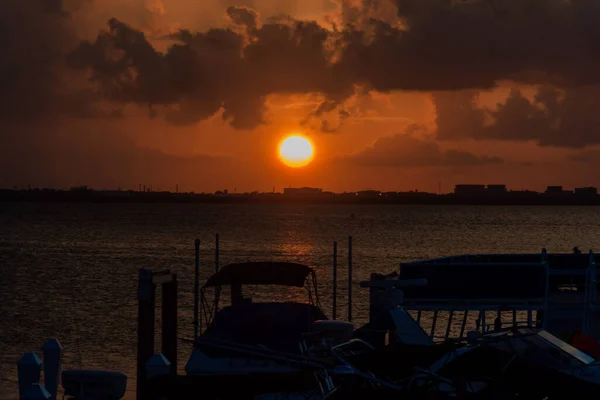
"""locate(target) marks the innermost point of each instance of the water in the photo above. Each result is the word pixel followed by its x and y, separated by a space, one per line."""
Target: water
pixel 70 270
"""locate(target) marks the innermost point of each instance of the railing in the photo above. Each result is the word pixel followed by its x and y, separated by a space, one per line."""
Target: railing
pixel 571 275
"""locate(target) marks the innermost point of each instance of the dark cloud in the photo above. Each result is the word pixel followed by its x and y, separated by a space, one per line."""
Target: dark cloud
pixel 210 71
pixel 561 118
pixel 385 45
pixel 409 149
pixel 439 45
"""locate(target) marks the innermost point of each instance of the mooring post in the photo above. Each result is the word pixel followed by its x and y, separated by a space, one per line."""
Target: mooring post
pixel 196 287
pixel 217 289
pixel 169 322
pixel 52 351
pixel 350 278
pixel 37 392
pixel 158 365
pixel 334 280
pixel 146 303
pixel 29 368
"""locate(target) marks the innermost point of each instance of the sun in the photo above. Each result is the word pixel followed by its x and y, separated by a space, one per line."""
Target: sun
pixel 296 151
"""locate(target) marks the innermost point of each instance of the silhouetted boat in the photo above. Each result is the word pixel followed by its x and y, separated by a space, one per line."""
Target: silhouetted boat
pixel 289 349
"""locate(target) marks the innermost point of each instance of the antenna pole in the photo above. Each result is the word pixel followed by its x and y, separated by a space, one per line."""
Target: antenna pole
pixel 217 290
pixel 349 278
pixel 196 287
pixel 334 280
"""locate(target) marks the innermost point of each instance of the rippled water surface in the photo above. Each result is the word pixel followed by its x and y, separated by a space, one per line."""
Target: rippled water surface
pixel 70 270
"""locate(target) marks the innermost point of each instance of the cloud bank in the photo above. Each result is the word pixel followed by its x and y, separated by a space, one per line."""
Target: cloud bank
pixel 432 45
pixel 58 68
pixel 413 148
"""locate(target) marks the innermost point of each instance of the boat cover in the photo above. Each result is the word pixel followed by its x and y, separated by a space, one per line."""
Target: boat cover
pixel 261 273
pixel 476 281
pixel 279 326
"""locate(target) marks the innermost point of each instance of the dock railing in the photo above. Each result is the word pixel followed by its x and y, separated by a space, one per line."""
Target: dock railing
pixel 553 289
pixel 458 301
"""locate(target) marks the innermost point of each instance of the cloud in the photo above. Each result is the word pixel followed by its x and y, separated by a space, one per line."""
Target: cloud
pixel 561 118
pixel 414 148
pixel 430 45
pixel 455 48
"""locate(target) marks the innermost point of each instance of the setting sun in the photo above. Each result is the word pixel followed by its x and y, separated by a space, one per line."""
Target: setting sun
pixel 296 151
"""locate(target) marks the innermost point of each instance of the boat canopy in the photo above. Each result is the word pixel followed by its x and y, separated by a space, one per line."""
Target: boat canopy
pixel 261 273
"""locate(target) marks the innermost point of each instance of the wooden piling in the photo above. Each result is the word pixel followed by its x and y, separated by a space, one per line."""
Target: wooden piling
pixel 350 278
pixel 217 289
pixel 334 280
pixel 158 365
pixel 29 369
pixel 37 392
pixel 52 351
pixel 196 288
pixel 169 322
pixel 146 299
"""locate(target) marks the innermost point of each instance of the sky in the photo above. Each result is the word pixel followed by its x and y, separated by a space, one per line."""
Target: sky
pixel 394 94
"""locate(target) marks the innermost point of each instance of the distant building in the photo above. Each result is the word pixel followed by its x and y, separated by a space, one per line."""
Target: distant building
pixel 554 190
pixel 557 191
pixel 586 191
pixel 369 194
pixel 469 190
pixel 303 191
pixel 496 189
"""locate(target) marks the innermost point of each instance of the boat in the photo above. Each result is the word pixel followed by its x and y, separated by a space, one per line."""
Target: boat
pixel 291 350
pixel 245 327
pixel 256 346
pixel 523 362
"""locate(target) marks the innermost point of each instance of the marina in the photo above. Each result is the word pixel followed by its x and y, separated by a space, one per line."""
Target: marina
pixel 293 350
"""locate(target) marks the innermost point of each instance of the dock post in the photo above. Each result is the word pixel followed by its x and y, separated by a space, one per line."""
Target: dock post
pixel 334 280
pixel 52 351
pixel 196 286
pixel 37 392
pixel 217 289
pixel 169 322
pixel 350 278
pixel 146 299
pixel 29 368
pixel 158 365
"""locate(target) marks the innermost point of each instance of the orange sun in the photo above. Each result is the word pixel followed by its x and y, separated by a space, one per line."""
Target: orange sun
pixel 296 151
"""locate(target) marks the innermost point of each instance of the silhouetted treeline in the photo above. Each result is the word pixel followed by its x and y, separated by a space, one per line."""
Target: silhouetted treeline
pixel 114 196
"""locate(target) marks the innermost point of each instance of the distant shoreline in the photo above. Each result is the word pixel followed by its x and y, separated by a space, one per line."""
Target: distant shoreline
pixel 414 198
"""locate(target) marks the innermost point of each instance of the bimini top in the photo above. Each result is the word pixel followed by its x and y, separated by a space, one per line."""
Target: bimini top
pixel 261 273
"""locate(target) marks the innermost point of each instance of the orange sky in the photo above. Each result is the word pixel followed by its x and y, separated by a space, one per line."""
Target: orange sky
pixel 377 146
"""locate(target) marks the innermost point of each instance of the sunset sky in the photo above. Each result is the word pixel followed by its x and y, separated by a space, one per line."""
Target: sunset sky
pixel 393 94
